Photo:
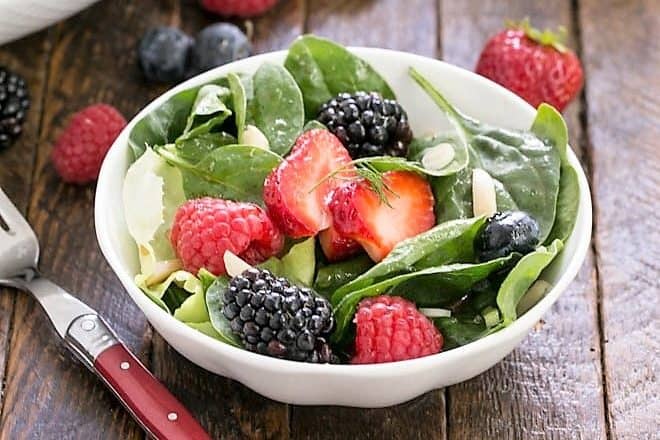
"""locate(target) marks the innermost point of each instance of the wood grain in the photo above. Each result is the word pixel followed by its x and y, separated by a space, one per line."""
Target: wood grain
pixel 226 408
pixel 550 386
pixel 27 57
pixel 409 26
pixel 622 60
pixel 48 394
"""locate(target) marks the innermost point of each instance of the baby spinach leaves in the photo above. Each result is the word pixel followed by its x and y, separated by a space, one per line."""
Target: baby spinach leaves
pixel 214 303
pixel 239 101
pixel 521 277
pixel 276 107
pixel 524 166
pixel 298 264
pixel 568 202
pixel 208 111
pixel 323 69
pixel 331 277
pixel 235 172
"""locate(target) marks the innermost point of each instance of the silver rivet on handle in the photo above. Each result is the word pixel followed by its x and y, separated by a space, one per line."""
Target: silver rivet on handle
pixel 172 416
pixel 124 365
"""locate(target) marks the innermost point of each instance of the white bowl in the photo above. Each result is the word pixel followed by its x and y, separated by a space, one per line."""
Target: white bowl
pixel 22 17
pixel 352 385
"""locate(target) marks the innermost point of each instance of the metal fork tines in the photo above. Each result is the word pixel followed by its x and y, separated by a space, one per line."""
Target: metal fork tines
pixel 19 248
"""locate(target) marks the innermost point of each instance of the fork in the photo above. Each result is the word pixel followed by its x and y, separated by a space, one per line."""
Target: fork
pixel 89 337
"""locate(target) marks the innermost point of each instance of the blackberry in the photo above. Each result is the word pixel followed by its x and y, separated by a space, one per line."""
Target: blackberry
pixel 164 54
pixel 276 318
pixel 367 124
pixel 507 232
pixel 14 102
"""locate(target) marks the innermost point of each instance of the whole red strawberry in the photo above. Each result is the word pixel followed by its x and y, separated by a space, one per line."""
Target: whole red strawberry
pixel 532 64
pixel 203 229
pixel 390 328
pixel 81 148
pixel 238 8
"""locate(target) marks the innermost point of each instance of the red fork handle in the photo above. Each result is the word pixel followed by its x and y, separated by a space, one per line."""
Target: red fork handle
pixel 152 405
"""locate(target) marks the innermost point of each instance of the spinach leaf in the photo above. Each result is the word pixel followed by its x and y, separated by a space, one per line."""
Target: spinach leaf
pixel 419 146
pixel 164 124
pixel 297 265
pixel 568 201
pixel 235 172
pixel 174 296
pixel 276 107
pixel 194 148
pixel 457 332
pixel 239 100
pixel 521 277
pixel 324 69
pixel 453 279
pixel 448 242
pixel 525 168
pixel 331 277
pixel 314 125
pixel 208 111
pixel 214 304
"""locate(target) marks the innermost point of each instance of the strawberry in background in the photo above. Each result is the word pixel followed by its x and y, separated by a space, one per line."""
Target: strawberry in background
pixel 534 65
pixel 238 8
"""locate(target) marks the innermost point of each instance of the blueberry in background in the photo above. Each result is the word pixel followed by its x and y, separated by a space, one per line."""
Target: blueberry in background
pixel 218 44
pixel 164 53
pixel 14 102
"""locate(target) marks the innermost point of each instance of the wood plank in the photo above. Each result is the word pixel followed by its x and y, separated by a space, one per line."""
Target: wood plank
pixel 27 57
pixel 226 408
pixel 550 387
pixel 621 43
pixel 48 394
pixel 364 23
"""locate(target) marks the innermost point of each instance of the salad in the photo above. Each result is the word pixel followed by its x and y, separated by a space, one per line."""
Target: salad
pixel 294 213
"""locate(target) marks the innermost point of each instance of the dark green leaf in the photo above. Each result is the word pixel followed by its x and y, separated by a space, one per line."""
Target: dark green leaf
pixel 214 304
pixel 525 167
pixel 276 107
pixel 208 111
pixel 448 242
pixel 419 146
pixel 324 69
pixel 568 202
pixel 521 277
pixel 235 172
pixel 195 148
pixel 239 101
pixel 331 277
pixel 174 296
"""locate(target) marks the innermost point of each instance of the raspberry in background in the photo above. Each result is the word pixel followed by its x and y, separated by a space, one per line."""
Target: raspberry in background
pixel 80 149
pixel 14 102
pixel 238 8
pixel 390 328
pixel 534 65
pixel 203 229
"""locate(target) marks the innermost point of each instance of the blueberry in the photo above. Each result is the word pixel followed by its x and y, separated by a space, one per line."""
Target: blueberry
pixel 218 44
pixel 507 232
pixel 164 53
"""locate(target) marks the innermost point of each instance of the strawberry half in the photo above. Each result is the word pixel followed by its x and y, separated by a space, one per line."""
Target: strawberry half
pixel 337 247
pixel 359 213
pixel 295 203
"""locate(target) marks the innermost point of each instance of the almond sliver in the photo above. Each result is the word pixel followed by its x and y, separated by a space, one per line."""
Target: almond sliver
pixel 438 157
pixel 484 201
pixel 234 264
pixel 254 137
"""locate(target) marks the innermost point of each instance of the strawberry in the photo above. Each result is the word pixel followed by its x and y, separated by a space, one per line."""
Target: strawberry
pixel 296 202
pixel 335 246
pixel 532 64
pixel 359 213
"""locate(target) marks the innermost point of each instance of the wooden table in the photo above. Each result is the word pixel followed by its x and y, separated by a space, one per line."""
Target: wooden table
pixel 589 370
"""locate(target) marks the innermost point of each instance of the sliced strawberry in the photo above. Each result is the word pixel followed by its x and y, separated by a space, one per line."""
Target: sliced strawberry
pixel 337 247
pixel 358 212
pixel 296 206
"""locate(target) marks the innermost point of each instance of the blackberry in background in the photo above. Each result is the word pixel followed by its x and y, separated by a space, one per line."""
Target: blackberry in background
pixel 14 102
pixel 279 319
pixel 367 124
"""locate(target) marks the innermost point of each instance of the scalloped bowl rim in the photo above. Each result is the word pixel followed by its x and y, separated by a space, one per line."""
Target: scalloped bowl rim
pixel 111 178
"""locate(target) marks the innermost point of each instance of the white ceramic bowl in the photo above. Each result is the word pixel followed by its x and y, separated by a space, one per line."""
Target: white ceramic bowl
pixel 352 385
pixel 22 17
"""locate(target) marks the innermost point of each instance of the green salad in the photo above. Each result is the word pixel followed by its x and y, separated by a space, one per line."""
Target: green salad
pixel 293 212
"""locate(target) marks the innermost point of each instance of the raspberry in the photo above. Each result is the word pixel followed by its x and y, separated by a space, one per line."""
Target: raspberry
pixel 390 328
pixel 203 229
pixel 238 8
pixel 80 149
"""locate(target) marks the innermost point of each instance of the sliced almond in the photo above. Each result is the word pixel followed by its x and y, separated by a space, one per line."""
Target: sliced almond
pixel 435 313
pixel 438 157
pixel 162 270
pixel 255 137
pixel 484 201
pixel 234 264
